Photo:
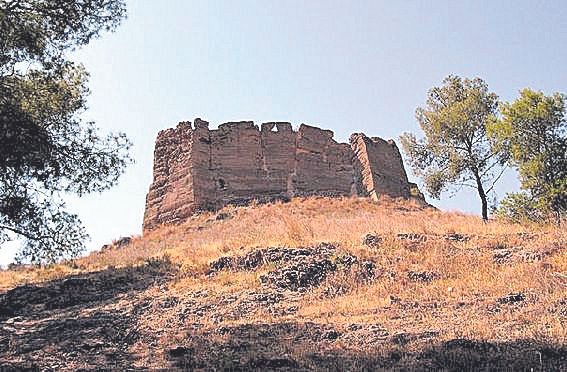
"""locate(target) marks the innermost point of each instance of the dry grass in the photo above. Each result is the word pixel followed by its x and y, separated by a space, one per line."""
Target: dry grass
pixel 460 303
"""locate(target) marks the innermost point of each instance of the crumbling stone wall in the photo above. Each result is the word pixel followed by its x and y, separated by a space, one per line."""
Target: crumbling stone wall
pixel 197 168
pixel 171 196
pixel 383 170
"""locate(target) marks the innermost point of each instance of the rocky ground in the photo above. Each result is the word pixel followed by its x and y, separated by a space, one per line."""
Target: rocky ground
pixel 389 303
pixel 103 319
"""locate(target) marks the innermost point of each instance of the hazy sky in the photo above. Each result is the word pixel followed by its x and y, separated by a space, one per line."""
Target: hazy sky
pixel 348 66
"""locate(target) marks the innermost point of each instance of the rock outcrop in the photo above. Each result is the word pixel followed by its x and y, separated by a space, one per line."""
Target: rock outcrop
pixel 196 168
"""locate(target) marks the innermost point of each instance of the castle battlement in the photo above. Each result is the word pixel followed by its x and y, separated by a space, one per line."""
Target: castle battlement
pixel 196 168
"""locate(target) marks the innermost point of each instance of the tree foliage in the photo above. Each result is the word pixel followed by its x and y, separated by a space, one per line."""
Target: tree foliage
pixel 46 149
pixel 532 132
pixel 520 207
pixel 456 151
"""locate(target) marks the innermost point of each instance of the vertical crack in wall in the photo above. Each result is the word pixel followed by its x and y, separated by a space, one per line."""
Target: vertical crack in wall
pixel 292 175
pixel 358 145
pixel 263 157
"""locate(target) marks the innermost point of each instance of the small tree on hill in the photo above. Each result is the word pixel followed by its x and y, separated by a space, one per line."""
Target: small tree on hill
pixel 456 151
pixel 45 148
pixel 533 134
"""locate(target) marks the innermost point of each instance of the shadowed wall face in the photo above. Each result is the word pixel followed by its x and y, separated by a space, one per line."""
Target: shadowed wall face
pixel 196 168
pixel 383 171
pixel 171 195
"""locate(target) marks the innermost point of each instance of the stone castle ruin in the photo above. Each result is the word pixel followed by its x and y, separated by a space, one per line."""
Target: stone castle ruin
pixel 196 168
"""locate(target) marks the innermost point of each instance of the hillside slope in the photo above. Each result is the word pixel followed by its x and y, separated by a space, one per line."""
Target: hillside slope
pixel 314 284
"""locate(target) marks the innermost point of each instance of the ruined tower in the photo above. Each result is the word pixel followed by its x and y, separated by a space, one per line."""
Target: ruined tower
pixel 197 168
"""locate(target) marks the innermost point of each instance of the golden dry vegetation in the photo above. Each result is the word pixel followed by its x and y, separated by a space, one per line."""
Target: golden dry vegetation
pixel 446 289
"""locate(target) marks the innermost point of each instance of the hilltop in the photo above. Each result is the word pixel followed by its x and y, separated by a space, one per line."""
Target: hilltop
pixel 196 168
pixel 313 284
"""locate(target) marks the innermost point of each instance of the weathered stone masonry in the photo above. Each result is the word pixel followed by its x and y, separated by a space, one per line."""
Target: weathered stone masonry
pixel 196 168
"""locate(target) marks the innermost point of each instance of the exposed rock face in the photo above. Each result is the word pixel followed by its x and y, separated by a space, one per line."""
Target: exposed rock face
pixel 197 168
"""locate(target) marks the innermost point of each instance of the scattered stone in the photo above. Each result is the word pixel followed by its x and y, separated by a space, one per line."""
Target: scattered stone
pixel 460 305
pixel 400 338
pixel 331 334
pixel 527 235
pixel 335 291
pixel 517 254
pixel 223 263
pixel 301 275
pixel 223 216
pixel 297 269
pixel 179 351
pixel 394 300
pixel 118 243
pixel 531 256
pixel 354 327
pixel 122 242
pixel 105 247
pixel 292 309
pixel 423 276
pixel 502 256
pixel 372 240
pixel 454 237
pixel 256 258
pixel 169 302
pixel 267 298
pixel 368 270
pixel 92 345
pixel 511 298
pixel 347 260
pixel 392 275
pixel 412 237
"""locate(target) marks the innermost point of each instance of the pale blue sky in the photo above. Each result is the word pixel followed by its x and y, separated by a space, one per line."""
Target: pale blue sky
pixel 348 66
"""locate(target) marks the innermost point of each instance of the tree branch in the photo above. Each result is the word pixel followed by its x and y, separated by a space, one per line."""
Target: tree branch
pixel 23 233
pixel 496 180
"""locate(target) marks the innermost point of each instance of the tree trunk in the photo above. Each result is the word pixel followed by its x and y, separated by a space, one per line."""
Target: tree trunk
pixel 482 195
pixel 484 205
